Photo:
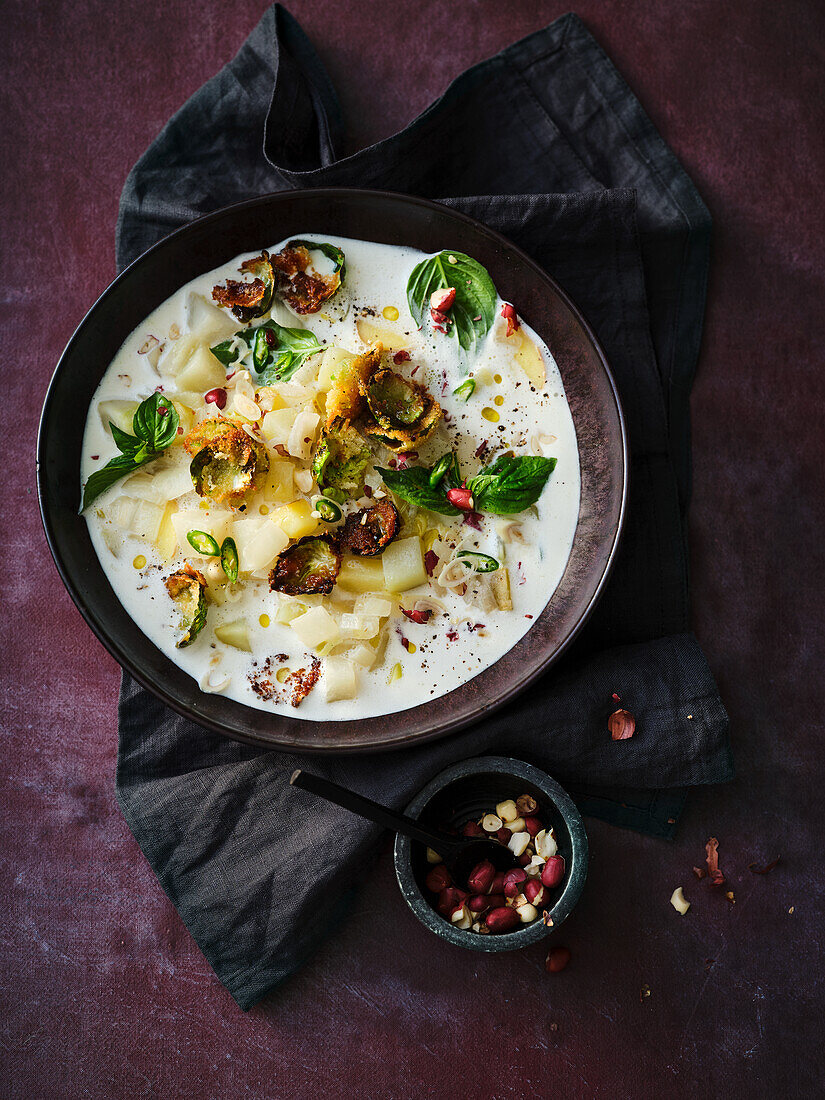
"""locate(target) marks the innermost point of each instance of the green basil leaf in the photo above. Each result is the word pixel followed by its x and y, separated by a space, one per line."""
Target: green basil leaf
pixel 224 352
pixel 156 422
pixel 102 479
pixel 124 442
pixel 155 425
pixel 474 309
pixel 331 251
pixel 413 485
pixel 293 346
pixel 510 484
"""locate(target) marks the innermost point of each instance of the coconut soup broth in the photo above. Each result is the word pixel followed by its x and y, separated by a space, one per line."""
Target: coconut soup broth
pixel 420 661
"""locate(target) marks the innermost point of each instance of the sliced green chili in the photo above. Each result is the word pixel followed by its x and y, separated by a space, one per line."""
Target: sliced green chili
pixel 203 543
pixel 465 390
pixel 260 347
pixel 328 510
pixel 229 559
pixel 481 563
pixel 440 469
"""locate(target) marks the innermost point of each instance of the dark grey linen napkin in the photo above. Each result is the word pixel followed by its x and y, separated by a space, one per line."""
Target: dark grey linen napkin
pixel 546 143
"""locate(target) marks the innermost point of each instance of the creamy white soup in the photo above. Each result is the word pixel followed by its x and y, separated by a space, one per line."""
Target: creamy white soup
pixel 345 478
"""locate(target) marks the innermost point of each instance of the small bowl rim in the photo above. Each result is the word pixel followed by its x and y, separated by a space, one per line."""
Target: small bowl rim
pixel 576 872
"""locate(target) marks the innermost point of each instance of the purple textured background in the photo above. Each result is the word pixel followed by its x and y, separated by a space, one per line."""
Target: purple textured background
pixel 103 992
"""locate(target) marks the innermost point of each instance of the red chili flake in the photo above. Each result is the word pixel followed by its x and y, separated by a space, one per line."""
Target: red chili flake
pixel 301 682
pixel 413 371
pixel 477 318
pixel 430 562
pixel 367 490
pixel 473 519
pixel 404 641
pixel 508 312
pixel 232 375
pixel 96 457
pixel 158 389
pixel 401 357
pixel 414 616
pixel 270 337
pixel 481 449
pixel 528 616
pixel 473 627
pixel 700 872
pixel 618 698
pixel 712 849
pixel 452 635
pixel 763 870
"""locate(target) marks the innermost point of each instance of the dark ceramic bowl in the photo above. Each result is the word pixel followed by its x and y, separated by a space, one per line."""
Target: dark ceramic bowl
pixel 376 216
pixel 463 793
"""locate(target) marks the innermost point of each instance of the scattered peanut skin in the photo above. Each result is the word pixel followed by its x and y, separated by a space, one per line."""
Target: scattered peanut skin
pixel 557 959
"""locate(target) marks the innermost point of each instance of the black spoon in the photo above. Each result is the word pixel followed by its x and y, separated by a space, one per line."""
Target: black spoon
pixel 460 854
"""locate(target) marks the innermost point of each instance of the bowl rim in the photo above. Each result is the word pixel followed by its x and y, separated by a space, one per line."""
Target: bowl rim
pixel 576 872
pixel 452 723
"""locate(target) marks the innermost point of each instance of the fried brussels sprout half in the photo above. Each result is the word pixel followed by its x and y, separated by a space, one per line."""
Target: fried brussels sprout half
pixel 393 401
pixel 406 439
pixel 341 460
pixel 309 566
pixel 371 530
pixel 227 463
pixel 345 400
pixel 187 589
pixel 249 300
pixel 400 414
pixel 306 291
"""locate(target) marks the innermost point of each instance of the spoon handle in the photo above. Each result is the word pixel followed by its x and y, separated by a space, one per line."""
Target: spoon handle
pixel 365 807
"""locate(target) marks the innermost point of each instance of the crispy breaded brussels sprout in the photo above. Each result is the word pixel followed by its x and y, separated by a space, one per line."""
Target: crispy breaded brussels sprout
pixel 249 300
pixel 341 460
pixel 226 461
pixel 187 588
pixel 393 401
pixel 345 399
pixel 370 531
pixel 401 414
pixel 311 565
pixel 301 289
pixel 406 439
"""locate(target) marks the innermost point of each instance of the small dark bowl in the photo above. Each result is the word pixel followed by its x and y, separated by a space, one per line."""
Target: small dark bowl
pixel 463 793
